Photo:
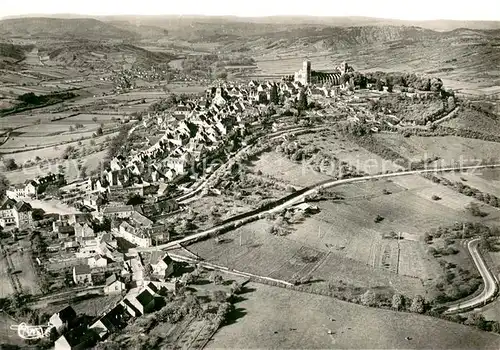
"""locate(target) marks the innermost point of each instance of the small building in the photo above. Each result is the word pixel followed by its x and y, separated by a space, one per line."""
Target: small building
pixel 97 261
pixel 135 235
pixel 7 212
pixel 114 285
pixel 95 201
pixel 122 211
pixel 110 322
pixel 76 339
pixel 83 231
pixel 63 318
pixel 162 264
pixel 63 229
pixel 82 274
pixel 23 215
pixel 139 302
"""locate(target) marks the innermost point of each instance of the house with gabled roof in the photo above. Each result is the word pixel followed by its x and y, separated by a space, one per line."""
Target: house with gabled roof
pixel 63 318
pixel 7 212
pixel 23 215
pixel 97 261
pixel 114 285
pixel 82 274
pixel 83 231
pixel 80 338
pixel 139 301
pixel 162 264
pixel 112 321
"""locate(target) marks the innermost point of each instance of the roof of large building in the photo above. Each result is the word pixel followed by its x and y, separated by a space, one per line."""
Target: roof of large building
pixel 82 269
pixel 23 206
pixel 7 204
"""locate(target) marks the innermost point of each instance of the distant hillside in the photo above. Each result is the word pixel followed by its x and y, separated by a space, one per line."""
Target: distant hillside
pixel 108 56
pixel 14 52
pixel 171 22
pixel 141 30
pixel 42 28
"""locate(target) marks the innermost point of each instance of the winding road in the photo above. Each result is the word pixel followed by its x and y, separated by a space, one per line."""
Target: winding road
pixel 490 282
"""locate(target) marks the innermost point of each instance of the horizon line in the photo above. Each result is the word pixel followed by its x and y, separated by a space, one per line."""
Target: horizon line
pixel 87 15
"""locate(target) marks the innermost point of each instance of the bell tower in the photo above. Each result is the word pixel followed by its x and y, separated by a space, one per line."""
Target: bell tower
pixel 306 71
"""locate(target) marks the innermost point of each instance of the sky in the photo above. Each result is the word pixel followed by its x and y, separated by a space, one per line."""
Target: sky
pixel 396 9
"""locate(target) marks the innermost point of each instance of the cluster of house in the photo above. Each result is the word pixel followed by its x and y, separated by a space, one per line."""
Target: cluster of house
pixel 139 295
pixel 32 188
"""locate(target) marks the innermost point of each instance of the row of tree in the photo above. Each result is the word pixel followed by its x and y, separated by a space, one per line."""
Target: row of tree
pixel 467 190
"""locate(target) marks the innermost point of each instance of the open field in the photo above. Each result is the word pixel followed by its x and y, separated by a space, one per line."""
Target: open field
pixel 18 120
pixel 277 166
pixel 52 206
pixel 20 142
pixel 259 252
pixel 450 198
pixel 278 318
pixel 284 258
pixel 71 172
pixel 27 276
pixel 6 288
pixel 9 336
pixel 450 149
pixel 51 151
pixel 349 152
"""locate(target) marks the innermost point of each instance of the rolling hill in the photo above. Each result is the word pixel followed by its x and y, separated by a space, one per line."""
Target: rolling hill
pixel 85 28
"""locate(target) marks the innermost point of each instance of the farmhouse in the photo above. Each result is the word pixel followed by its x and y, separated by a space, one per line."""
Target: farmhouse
pixel 76 339
pixel 94 201
pixel 63 229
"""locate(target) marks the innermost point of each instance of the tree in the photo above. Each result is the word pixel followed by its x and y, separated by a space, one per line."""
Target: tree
pixel 10 164
pixel 390 84
pixel 398 302
pixel 236 288
pixel 302 105
pixel 379 85
pixel 215 278
pixel 4 184
pixel 418 305
pixel 83 172
pixel 369 298
pixel 451 103
pixel 475 210
pixel 274 94
pixel 219 296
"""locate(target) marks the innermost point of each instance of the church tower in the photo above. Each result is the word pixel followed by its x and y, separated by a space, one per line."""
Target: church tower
pixel 306 72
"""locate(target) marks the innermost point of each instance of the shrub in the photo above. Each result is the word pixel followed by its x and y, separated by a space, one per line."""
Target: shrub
pixel 418 305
